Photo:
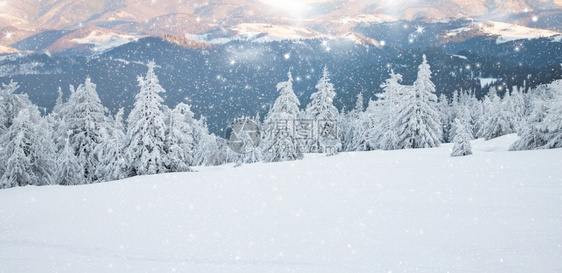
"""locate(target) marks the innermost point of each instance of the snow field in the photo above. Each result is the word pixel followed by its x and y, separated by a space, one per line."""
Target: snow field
pixel 383 211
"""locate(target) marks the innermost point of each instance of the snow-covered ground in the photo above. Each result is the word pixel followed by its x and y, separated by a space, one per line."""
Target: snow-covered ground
pixel 395 211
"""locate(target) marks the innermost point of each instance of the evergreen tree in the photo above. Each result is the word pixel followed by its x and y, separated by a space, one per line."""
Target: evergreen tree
pixel 388 138
pixel 533 134
pixel 447 117
pixel 418 119
pixel 349 123
pixel 553 120
pixel 324 116
pixel 11 104
pixel 69 172
pixel 207 151
pixel 27 155
pixel 462 139
pixel 15 155
pixel 86 123
pixel 145 148
pixel 498 117
pixel 180 138
pixel 281 143
pixel 112 164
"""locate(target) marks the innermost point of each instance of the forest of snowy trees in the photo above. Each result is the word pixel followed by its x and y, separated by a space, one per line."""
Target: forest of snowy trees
pixel 79 142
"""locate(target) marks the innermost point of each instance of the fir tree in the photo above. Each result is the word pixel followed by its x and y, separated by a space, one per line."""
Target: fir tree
pixel 324 116
pixel 15 155
pixel 180 138
pixel 110 152
pixel 145 148
pixel 553 120
pixel 85 119
pixel 462 139
pixel 69 172
pixel 533 132
pixel 418 119
pixel 498 119
pixel 392 90
pixel 349 123
pixel 281 142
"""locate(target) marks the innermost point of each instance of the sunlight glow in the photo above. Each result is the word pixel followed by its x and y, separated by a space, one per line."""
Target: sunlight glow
pixel 294 7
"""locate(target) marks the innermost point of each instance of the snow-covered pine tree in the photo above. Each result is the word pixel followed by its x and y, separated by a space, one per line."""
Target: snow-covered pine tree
pixel 44 149
pixel 68 172
pixel 85 118
pixel 392 90
pixel 447 117
pixel 498 116
pixel 418 122
pixel 206 150
pixel 553 120
pixel 113 165
pixel 462 139
pixel 348 122
pixel 15 155
pixel 11 103
pixel 145 146
pixel 324 116
pixel 281 142
pixel 373 124
pixel 519 104
pixel 248 137
pixel 533 134
pixel 55 120
pixel 27 154
pixel 180 138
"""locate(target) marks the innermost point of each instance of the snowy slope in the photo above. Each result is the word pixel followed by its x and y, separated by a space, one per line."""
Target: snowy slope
pixel 505 32
pixel 396 211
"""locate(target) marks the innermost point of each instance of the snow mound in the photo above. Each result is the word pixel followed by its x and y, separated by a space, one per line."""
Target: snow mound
pixel 383 211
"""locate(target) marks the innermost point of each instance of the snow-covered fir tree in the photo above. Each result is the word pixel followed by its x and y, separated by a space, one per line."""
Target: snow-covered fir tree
pixel 281 142
pixel 387 137
pixel 68 172
pixel 418 122
pixel 27 156
pixel 180 141
pixel 16 152
pixel 553 120
pixel 249 137
pixel 498 117
pixel 145 145
pixel 533 132
pixel 462 139
pixel 324 116
pixel 447 117
pixel 112 165
pixel 349 124
pixel 11 104
pixel 361 139
pixel 207 151
pixel 519 107
pixel 85 118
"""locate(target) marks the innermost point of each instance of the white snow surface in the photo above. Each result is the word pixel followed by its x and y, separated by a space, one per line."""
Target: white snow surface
pixel 506 32
pixel 382 211
pixel 485 82
pixel 104 41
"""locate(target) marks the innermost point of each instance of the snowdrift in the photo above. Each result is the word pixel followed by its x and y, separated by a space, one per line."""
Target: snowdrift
pixel 383 211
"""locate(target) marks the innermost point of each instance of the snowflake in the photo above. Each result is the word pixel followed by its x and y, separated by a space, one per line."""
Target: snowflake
pixel 420 29
pixel 8 35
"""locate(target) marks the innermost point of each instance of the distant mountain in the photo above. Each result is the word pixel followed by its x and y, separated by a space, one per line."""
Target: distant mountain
pixel 238 77
pixel 38 24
